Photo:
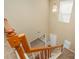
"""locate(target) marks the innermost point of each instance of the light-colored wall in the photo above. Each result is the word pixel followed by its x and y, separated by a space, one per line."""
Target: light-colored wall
pixel 62 30
pixel 28 15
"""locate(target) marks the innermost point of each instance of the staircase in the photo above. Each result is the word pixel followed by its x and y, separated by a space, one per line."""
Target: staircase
pixel 24 51
pixel 39 43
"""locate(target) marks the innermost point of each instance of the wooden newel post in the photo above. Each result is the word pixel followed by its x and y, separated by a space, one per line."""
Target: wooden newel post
pixel 13 39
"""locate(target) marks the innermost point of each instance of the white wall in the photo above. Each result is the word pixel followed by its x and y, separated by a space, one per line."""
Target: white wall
pixel 62 30
pixel 28 15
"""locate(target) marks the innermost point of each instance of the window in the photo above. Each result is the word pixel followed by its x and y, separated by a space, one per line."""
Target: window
pixel 65 10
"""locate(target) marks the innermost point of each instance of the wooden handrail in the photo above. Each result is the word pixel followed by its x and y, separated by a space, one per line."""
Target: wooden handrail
pixel 24 42
pixel 44 48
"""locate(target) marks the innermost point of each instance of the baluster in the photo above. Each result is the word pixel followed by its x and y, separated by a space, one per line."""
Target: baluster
pixel 42 55
pixel 39 55
pixel 45 54
pixel 48 53
pixel 20 52
pixel 33 55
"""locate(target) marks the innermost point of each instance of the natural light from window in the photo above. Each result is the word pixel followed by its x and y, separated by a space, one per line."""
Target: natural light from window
pixel 65 10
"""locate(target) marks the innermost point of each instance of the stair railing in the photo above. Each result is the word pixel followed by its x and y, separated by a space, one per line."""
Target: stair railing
pixel 21 45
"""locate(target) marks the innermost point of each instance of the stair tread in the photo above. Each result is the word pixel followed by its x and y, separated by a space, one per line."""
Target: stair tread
pixel 37 43
pixel 66 54
pixel 55 56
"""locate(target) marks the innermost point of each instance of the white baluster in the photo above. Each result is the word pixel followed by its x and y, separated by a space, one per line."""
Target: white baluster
pixel 33 55
pixel 39 54
pixel 44 54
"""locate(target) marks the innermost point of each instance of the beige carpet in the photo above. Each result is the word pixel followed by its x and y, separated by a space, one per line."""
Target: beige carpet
pixel 37 43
